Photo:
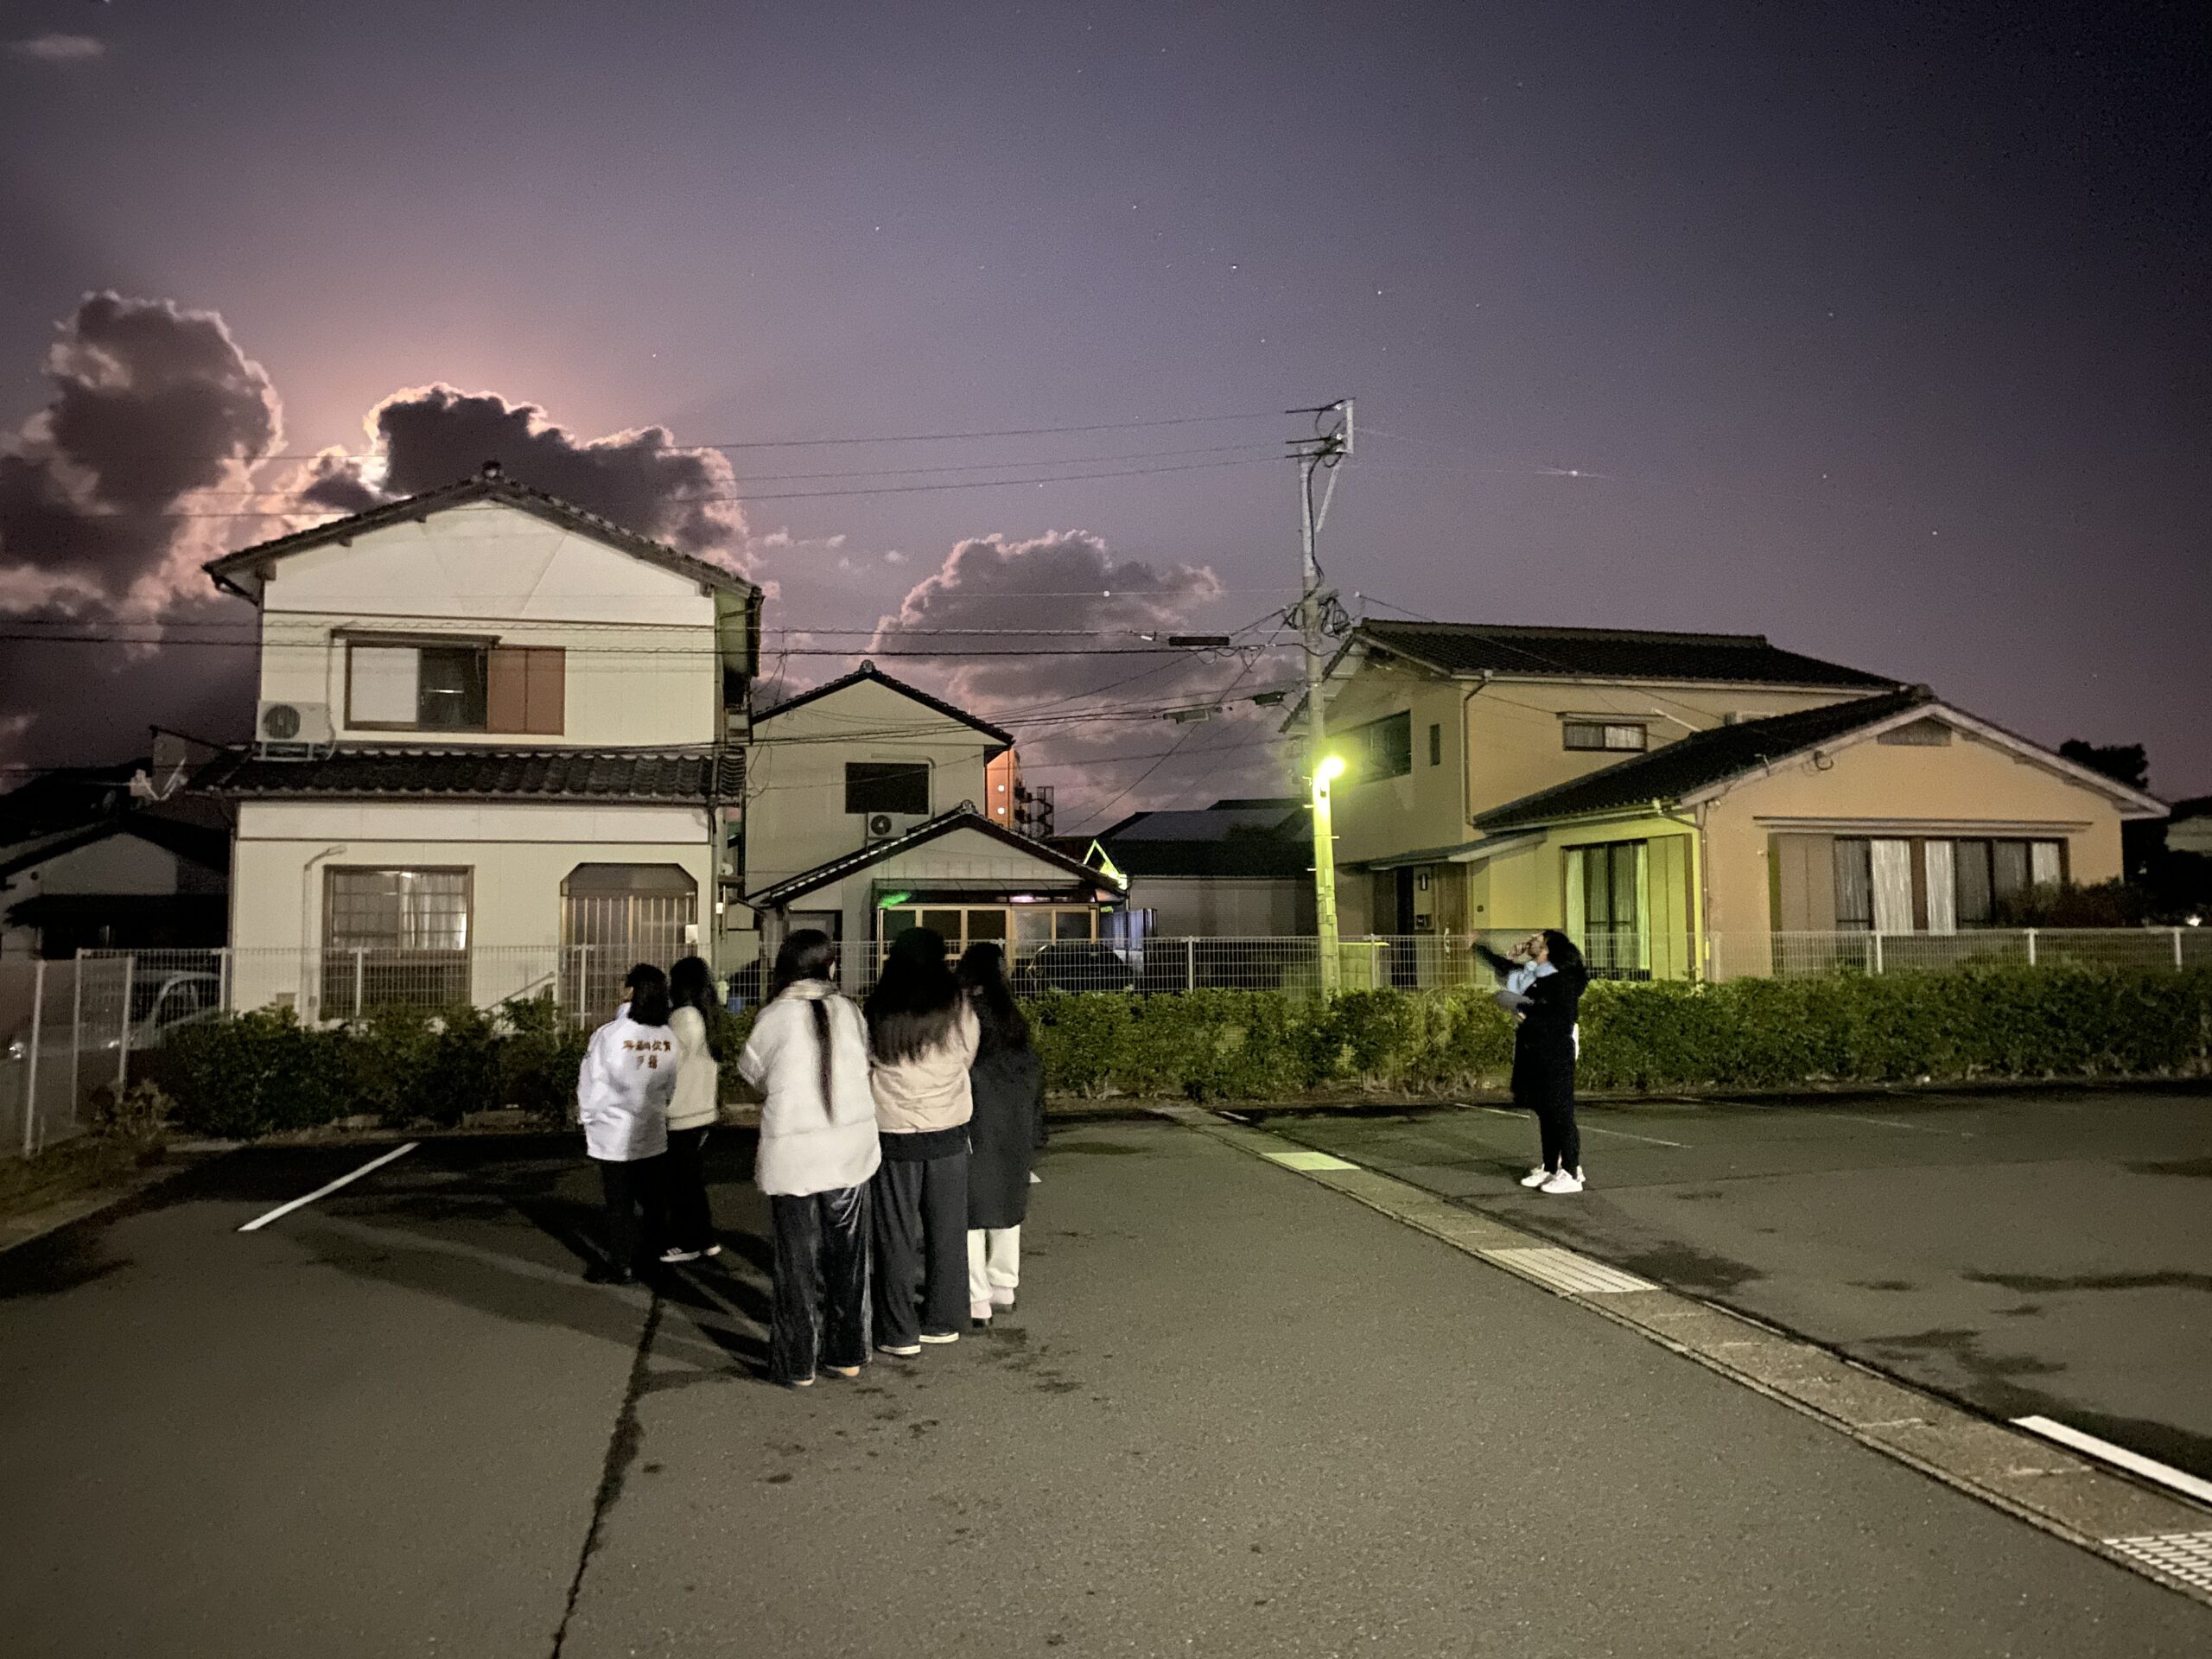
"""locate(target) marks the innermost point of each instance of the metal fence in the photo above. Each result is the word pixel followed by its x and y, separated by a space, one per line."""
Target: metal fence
pixel 72 1027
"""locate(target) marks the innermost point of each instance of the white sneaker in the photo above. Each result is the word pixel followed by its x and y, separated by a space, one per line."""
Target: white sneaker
pixel 672 1256
pixel 1562 1182
pixel 1536 1177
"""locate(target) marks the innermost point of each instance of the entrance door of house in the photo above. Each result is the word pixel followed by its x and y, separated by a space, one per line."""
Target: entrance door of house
pixel 612 915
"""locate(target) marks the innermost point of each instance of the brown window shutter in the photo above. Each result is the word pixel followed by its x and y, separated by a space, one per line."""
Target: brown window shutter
pixel 505 689
pixel 547 700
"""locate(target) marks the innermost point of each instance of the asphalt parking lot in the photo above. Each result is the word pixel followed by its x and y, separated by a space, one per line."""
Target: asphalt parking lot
pixel 1234 1414
pixel 2046 1253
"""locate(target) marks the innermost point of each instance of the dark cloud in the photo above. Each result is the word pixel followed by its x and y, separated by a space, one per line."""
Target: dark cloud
pixel 432 435
pixel 1042 615
pixel 151 403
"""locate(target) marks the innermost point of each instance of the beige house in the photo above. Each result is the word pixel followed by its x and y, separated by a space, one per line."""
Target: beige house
pixel 1684 804
pixel 872 806
pixel 498 746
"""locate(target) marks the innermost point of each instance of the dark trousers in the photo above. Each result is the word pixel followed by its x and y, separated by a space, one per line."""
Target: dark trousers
pixel 921 1242
pixel 1562 1141
pixel 690 1223
pixel 821 1283
pixel 631 1189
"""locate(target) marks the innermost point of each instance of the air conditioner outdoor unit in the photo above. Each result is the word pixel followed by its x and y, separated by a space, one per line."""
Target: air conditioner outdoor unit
pixel 882 826
pixel 292 731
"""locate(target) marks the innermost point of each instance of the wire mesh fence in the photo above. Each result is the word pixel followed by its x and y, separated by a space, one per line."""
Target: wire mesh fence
pixel 74 1027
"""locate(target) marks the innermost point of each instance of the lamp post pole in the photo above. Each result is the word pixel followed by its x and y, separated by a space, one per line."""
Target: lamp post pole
pixel 1330 443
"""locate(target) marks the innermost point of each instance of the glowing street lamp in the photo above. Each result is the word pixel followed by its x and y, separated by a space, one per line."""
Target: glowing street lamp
pixel 1326 771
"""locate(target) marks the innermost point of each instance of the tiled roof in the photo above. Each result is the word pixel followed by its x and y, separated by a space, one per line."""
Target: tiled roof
pixel 490 485
pixel 1706 758
pixel 479 774
pixel 868 671
pixel 961 817
pixel 1248 838
pixel 1609 653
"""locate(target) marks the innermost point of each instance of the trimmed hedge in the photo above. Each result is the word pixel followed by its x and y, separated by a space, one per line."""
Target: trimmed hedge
pixel 1998 1022
pixel 265 1071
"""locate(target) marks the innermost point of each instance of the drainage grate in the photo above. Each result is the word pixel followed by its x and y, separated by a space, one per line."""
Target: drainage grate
pixel 1565 1271
pixel 1308 1161
pixel 2186 1556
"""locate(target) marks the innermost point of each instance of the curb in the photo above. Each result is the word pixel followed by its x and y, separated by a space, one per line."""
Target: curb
pixel 2151 1533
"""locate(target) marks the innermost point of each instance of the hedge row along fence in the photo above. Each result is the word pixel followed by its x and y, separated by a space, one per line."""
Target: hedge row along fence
pixel 265 1071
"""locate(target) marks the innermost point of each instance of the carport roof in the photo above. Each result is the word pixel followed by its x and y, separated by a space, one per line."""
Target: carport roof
pixel 961 817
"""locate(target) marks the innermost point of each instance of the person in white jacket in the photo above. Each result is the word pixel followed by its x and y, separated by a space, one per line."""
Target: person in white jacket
pixel 691 1112
pixel 807 1057
pixel 622 1094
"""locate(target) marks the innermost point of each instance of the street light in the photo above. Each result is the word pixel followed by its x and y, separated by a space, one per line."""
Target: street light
pixel 1326 771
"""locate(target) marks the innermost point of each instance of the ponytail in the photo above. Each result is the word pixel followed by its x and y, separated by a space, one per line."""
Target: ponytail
pixel 821 1007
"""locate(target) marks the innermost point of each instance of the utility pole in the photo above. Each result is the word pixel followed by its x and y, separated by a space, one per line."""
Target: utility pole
pixel 1330 443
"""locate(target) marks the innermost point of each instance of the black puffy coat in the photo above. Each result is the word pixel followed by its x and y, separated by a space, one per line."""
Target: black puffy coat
pixel 1543 1047
pixel 1009 1084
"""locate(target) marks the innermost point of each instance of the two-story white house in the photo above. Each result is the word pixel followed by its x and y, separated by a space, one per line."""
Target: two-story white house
pixel 872 806
pixel 498 750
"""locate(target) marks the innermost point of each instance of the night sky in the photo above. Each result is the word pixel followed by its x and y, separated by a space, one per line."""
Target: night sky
pixel 1884 330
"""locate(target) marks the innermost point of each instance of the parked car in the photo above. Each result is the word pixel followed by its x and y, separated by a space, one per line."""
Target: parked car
pixel 160 1005
pixel 1073 965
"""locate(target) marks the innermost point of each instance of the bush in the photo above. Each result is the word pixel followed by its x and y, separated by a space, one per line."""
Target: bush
pixel 258 1072
pixel 264 1071
pixel 1998 1022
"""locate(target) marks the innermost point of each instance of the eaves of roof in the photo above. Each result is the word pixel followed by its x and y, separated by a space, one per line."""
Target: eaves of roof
pixel 490 485
pixel 868 671
pixel 647 776
pixel 960 817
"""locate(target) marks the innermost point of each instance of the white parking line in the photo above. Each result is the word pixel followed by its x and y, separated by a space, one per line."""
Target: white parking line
pixel 1891 1124
pixel 2118 1456
pixel 324 1191
pixel 1648 1140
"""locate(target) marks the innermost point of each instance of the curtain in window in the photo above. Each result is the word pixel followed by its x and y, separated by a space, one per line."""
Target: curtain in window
pixel 1972 859
pixel 2008 869
pixel 1854 882
pixel 2045 865
pixel 1889 868
pixel 1942 890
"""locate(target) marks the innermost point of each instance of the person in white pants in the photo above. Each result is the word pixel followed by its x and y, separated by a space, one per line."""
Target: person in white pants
pixel 1007 1084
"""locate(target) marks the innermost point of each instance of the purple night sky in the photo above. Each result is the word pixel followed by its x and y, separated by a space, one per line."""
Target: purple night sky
pixel 1884 330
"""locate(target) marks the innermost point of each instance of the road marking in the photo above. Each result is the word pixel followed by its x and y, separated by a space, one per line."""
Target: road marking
pixel 1650 1140
pixel 1891 1124
pixel 1308 1161
pixel 2134 1462
pixel 324 1191
pixel 1500 1111
pixel 1563 1270
pixel 2186 1556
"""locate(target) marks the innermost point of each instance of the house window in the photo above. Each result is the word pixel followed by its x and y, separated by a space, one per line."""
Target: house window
pixel 1987 874
pixel 1628 735
pixel 887 786
pixel 394 937
pixel 1605 905
pixel 1435 745
pixel 1381 749
pixel 1873 884
pixel 469 686
pixel 612 915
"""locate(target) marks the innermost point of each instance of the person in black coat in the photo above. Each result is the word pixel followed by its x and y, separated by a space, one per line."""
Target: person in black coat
pixel 1544 990
pixel 1008 1081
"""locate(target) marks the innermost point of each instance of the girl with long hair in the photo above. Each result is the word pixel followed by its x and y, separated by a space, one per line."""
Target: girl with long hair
pixel 623 1090
pixel 691 1111
pixel 1007 1084
pixel 808 1056
pixel 1545 980
pixel 922 1036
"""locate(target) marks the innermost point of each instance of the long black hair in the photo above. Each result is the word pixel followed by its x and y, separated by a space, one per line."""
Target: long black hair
pixel 648 995
pixel 808 954
pixel 916 1000
pixel 983 975
pixel 691 985
pixel 1564 955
